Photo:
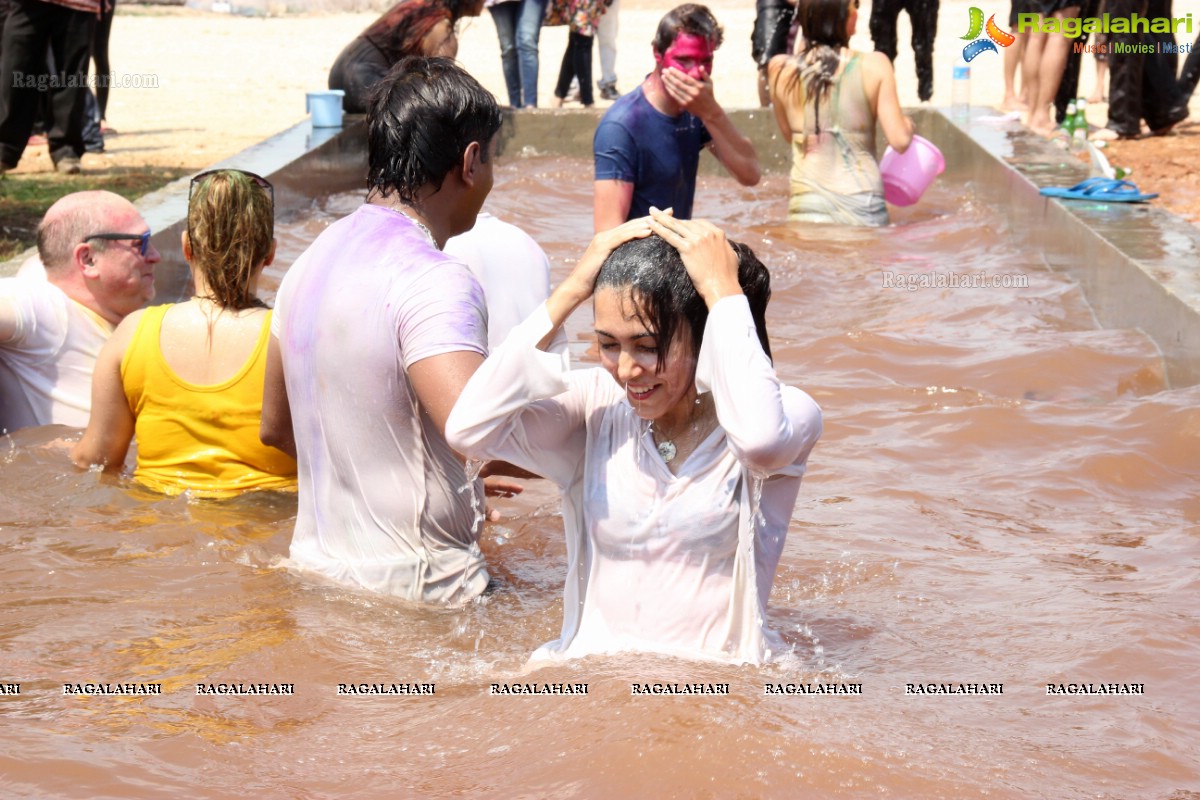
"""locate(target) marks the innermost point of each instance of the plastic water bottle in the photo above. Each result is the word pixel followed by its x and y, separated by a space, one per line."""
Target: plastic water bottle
pixel 960 91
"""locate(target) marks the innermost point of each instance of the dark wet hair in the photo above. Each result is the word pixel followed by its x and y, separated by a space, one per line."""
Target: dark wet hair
pixel 688 18
pixel 665 299
pixel 420 120
pixel 824 25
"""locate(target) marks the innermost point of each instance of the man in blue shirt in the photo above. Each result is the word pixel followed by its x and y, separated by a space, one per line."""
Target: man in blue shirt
pixel 647 147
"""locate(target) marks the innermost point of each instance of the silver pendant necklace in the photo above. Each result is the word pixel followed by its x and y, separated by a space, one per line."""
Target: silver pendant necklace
pixel 667 449
pixel 425 230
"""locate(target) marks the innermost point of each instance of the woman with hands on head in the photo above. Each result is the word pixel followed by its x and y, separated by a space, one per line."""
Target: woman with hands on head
pixel 188 378
pixel 827 99
pixel 679 460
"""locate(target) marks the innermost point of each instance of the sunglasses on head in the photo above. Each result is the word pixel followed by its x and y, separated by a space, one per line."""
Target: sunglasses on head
pixel 257 180
pixel 142 238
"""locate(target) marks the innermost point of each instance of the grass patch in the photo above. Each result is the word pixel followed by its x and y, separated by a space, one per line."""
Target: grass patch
pixel 25 198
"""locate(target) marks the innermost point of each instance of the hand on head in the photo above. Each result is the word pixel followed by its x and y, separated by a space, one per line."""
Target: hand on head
pixel 602 244
pixel 578 287
pixel 709 259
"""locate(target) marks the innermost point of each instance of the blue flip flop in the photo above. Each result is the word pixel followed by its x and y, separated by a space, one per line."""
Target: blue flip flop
pixel 1106 190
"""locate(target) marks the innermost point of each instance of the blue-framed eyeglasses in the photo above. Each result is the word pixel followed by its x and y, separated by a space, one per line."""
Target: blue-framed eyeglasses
pixel 143 239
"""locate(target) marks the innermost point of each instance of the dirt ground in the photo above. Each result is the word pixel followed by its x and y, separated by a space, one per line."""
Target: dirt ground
pixel 1169 165
pixel 200 87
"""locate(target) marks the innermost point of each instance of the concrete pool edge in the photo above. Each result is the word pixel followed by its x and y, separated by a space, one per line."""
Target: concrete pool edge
pixel 1131 261
pixel 165 208
pixel 1128 259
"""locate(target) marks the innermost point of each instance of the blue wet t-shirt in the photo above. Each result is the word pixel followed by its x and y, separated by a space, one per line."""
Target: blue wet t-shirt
pixel 658 154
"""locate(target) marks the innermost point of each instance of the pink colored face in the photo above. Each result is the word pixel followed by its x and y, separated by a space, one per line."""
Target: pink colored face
pixel 690 54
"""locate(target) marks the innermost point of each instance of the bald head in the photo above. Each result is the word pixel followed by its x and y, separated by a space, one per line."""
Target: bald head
pixel 74 218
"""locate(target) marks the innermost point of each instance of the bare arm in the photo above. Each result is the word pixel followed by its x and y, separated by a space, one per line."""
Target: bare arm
pixel 110 426
pixel 275 430
pixel 8 320
pixel 881 82
pixel 577 288
pixel 775 69
pixel 611 204
pixel 734 151
pixel 439 380
pixel 769 426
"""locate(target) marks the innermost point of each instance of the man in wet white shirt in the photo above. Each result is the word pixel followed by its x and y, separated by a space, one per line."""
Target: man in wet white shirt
pixel 375 331
pixel 99 267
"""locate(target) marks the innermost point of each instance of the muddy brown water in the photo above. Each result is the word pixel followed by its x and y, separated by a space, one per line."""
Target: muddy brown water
pixel 1005 494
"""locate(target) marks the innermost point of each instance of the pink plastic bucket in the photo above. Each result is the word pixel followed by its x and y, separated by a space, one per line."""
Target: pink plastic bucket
pixel 907 175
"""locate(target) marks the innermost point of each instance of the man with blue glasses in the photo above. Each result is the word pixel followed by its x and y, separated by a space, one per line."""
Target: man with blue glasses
pixel 99 267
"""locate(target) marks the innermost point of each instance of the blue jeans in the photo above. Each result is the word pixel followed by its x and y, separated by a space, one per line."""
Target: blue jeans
pixel 518 26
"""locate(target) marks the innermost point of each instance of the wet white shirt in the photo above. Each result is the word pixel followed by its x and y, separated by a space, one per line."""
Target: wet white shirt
pixel 46 368
pixel 510 266
pixel 383 501
pixel 674 564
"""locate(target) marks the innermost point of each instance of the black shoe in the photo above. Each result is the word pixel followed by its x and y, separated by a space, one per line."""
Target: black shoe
pixel 67 165
pixel 609 92
pixel 1175 116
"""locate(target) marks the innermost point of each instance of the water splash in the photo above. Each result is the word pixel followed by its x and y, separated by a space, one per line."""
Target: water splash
pixel 478 503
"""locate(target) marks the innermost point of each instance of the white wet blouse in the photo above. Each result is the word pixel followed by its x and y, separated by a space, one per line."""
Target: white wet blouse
pixel 672 564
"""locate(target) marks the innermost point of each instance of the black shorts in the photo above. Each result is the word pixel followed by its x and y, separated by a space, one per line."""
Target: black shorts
pixel 771 28
pixel 1022 7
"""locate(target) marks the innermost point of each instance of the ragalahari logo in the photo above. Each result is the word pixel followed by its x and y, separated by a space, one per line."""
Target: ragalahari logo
pixel 995 36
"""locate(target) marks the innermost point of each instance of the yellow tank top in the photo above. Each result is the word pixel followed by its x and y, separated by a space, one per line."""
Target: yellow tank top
pixel 202 439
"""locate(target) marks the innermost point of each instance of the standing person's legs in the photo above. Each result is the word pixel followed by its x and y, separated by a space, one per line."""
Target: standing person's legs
pixel 883 25
pixel 1161 106
pixel 1100 93
pixel 71 42
pixel 1050 73
pixel 1189 77
pixel 529 31
pixel 769 39
pixel 1031 66
pixel 1068 86
pixel 1125 77
pixel 566 73
pixel 606 39
pixel 923 15
pixel 100 56
pixel 583 66
pixel 1012 59
pixel 22 58
pixel 504 15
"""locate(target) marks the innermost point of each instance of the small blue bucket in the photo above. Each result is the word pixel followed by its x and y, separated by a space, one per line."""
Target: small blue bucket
pixel 325 107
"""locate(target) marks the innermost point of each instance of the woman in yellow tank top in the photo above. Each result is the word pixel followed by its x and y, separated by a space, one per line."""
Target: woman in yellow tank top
pixel 827 100
pixel 187 379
